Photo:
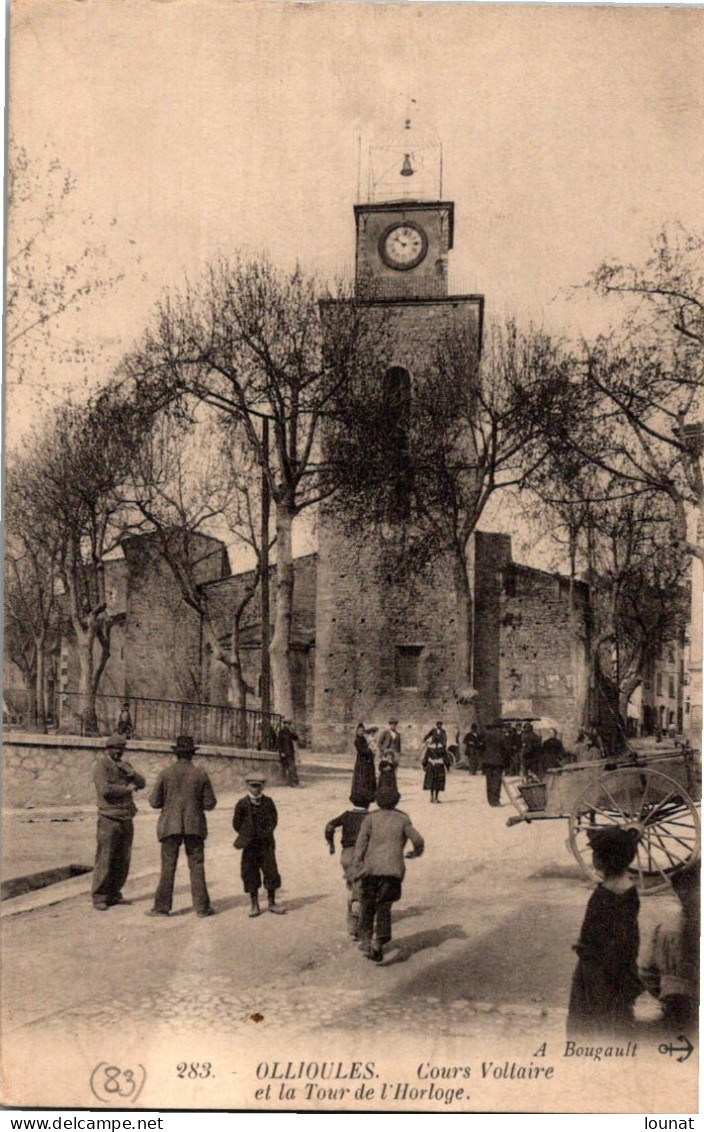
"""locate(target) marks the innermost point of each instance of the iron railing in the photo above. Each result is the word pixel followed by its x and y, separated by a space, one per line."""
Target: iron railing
pixel 219 724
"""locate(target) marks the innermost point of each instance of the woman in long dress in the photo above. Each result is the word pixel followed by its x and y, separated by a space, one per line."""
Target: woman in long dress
pixel 435 762
pixel 364 774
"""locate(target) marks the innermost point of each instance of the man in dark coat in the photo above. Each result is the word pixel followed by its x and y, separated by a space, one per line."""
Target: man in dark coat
pixel 531 752
pixel 494 759
pixel 183 792
pixel 254 820
pixel 473 746
pixel 554 753
pixel 286 746
pixel 115 784
pixel 512 738
pixel 390 742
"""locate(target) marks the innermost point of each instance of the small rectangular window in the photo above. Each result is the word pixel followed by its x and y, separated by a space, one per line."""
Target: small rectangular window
pixel 408 666
pixel 671 688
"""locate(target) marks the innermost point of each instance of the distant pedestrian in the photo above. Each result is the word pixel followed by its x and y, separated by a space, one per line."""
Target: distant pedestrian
pixel 349 824
pixel 494 761
pixel 605 983
pixel 286 745
pixel 115 784
pixel 183 792
pixel 587 748
pixel 553 753
pixel 531 752
pixel 512 738
pixel 389 754
pixel 436 761
pixel 380 859
pixel 474 742
pixel 254 821
pixel 124 721
pixel 364 773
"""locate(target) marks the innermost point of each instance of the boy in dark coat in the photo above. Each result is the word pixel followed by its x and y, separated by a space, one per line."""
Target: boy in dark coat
pixel 254 820
pixel 350 823
pixel 183 792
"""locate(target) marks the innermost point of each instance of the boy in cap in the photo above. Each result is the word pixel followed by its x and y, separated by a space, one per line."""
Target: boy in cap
pixel 379 858
pixel 254 822
pixel 115 784
pixel 350 823
pixel 183 792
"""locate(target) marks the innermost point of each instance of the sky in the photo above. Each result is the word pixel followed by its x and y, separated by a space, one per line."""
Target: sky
pixel 197 127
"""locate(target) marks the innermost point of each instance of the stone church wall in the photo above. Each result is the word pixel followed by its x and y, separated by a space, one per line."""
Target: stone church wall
pixel 529 638
pixel 163 645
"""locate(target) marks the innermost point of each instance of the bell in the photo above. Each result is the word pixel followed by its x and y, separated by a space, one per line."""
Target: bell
pixel 407 169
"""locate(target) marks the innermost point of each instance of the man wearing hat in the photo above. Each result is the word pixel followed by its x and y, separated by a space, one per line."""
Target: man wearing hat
pixel 115 783
pixel 389 754
pixel 254 822
pixel 183 792
pixel 390 741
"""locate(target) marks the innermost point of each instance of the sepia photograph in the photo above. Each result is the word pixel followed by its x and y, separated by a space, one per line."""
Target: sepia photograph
pixel 353 467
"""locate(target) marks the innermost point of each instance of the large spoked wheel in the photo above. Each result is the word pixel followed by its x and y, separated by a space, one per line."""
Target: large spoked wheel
pixel 654 804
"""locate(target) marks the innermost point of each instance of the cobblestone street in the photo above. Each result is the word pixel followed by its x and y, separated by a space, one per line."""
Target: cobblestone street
pixel 481 949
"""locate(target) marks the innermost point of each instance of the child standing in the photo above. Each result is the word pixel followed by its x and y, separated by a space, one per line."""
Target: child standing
pixel 379 858
pixel 254 821
pixel 605 983
pixel 350 822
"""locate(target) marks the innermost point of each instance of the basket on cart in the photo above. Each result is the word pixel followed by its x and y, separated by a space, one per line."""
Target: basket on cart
pixel 534 794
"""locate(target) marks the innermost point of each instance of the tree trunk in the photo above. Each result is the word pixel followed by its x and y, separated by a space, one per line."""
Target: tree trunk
pixel 85 707
pixel 280 651
pixel 238 683
pixel 39 683
pixel 465 692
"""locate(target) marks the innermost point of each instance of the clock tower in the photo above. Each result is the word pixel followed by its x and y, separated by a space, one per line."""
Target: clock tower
pixel 381 647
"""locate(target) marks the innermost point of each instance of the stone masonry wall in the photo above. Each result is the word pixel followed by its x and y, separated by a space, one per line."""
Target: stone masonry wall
pixel 363 617
pixel 54 770
pixel 163 643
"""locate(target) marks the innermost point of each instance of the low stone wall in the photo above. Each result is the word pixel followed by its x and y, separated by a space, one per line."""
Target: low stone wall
pixel 57 770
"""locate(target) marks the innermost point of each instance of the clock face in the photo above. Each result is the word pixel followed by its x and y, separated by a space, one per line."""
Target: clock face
pixel 403 245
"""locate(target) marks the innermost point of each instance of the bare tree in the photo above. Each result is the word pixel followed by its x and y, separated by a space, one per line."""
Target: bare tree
pixel 644 378
pixel 33 547
pixel 618 538
pixel 428 468
pixel 76 472
pixel 189 479
pixel 44 283
pixel 248 341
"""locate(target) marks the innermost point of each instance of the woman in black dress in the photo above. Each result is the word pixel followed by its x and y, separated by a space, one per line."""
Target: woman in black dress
pixel 435 762
pixel 364 774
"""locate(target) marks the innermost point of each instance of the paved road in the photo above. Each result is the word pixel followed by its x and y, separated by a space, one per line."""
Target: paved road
pixel 482 943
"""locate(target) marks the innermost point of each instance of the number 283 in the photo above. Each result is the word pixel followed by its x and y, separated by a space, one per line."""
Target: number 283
pixel 193 1069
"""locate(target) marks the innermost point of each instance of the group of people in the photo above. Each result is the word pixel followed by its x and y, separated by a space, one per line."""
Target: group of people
pixel 183 793
pixel 607 979
pixel 373 843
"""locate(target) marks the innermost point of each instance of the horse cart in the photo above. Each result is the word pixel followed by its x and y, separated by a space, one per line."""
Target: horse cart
pixel 655 792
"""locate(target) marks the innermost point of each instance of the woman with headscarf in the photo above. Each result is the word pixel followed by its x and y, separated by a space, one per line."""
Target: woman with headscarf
pixel 364 773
